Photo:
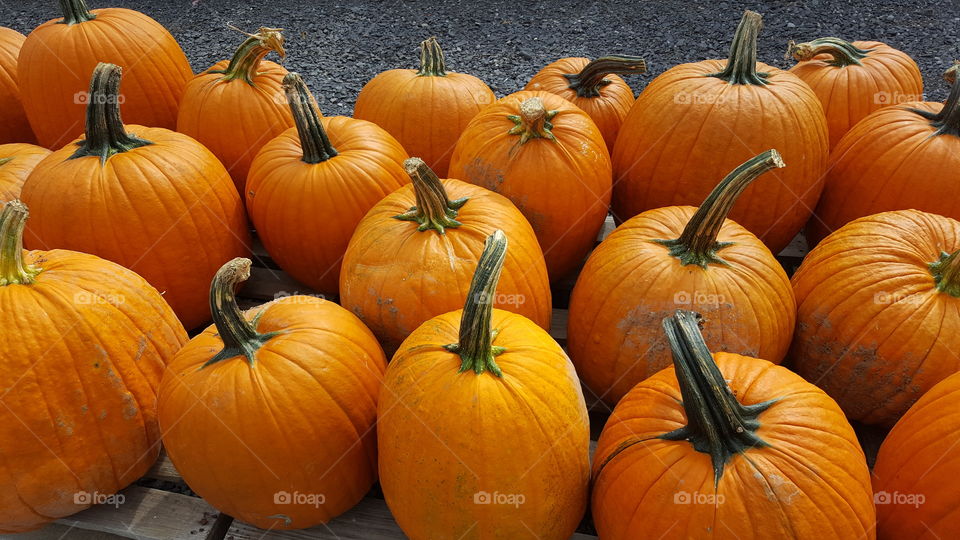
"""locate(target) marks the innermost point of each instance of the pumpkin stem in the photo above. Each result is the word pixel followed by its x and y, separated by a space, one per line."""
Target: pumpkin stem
pixel 947 121
pixel 476 337
pixel 533 122
pixel 588 82
pixel 246 61
pixel 946 273
pixel 239 336
pixel 431 59
pixel 4 161
pixel 313 139
pixel 13 270
pixel 104 131
pixel 742 64
pixel 717 424
pixel 433 210
pixel 75 11
pixel 843 52
pixel 950 75
pixel 698 242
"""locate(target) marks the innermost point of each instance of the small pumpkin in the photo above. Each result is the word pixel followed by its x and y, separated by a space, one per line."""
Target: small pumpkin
pixel 548 157
pixel 412 255
pixel 482 428
pixel 237 106
pixel 678 257
pixel 59 55
pixel 854 79
pixel 151 199
pixel 16 162
pixel 878 312
pixel 14 126
pixel 84 345
pixel 269 414
pixel 310 186
pixel 728 446
pixel 595 86
pixel 425 109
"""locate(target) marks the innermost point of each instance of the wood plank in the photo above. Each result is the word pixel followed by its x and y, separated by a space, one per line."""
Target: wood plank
pixel 163 469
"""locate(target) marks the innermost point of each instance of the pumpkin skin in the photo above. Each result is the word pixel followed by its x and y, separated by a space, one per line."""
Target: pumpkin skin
pixel 425 110
pixel 917 456
pixel 14 126
pixel 721 125
pixel 556 169
pixel 810 482
pixel 873 328
pixel 57 58
pixel 16 162
pixel 84 348
pixel 852 80
pixel 314 370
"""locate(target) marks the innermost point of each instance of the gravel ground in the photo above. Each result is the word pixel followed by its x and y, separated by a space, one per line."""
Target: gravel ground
pixel 338 46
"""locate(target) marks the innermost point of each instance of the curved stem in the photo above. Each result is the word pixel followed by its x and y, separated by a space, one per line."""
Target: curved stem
pixel 843 52
pixel 104 131
pixel 947 121
pixel 533 122
pixel 4 161
pixel 434 210
pixel 13 270
pixel 431 59
pixel 246 60
pixel 946 273
pixel 588 82
pixel 950 75
pixel 742 64
pixel 313 139
pixel 698 242
pixel 75 11
pixel 475 345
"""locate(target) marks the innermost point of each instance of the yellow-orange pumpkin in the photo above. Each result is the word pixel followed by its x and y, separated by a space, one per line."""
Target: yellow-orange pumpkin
pixel 16 162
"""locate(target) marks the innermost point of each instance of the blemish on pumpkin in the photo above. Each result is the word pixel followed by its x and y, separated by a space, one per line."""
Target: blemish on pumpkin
pixel 141 347
pixel 483 174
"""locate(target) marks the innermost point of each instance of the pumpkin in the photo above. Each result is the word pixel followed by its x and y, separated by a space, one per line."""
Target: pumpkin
pixel 427 109
pixel 237 106
pixel 14 126
pixel 678 257
pixel 59 55
pixel 901 157
pixel 878 312
pixel 728 446
pixel 595 86
pixel 269 414
pixel 918 460
pixel 153 200
pixel 482 428
pixel 412 255
pixel 854 79
pixel 84 346
pixel 697 121
pixel 548 157
pixel 16 162
pixel 310 186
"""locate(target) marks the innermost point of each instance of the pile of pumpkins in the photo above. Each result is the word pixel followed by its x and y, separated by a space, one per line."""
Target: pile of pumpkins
pixel 285 415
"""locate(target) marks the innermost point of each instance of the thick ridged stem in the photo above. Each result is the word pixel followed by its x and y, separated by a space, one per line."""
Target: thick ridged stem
pixel 843 53
pixel 533 122
pixel 947 121
pixel 431 59
pixel 742 64
pixel 591 79
pixel 313 139
pixel 946 273
pixel 246 60
pixel 434 210
pixel 13 270
pixel 104 131
pixel 75 11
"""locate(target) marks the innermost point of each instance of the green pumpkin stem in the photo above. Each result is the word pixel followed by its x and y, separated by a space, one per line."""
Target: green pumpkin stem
pixel 4 161
pixel 13 270
pixel 843 52
pixel 533 122
pixel 742 63
pixel 104 131
pixel 588 82
pixel 698 242
pixel 475 346
pixel 313 139
pixel 947 121
pixel 946 273
pixel 434 210
pixel 431 59
pixel 246 60
pixel 75 11
pixel 717 424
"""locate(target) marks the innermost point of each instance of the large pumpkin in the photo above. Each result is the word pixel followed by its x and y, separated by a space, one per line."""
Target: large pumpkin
pixel 58 56
pixel 84 345
pixel 412 255
pixel 237 106
pixel 854 79
pixel 269 415
pixel 878 312
pixel 425 109
pixel 728 446
pixel 697 121
pixel 14 126
pixel 548 157
pixel 678 257
pixel 153 200
pixel 482 428
pixel 309 188
pixel 16 162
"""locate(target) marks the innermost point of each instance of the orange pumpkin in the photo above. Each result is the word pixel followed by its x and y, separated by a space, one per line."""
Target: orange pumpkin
pixel 14 126
pixel 878 312
pixel 153 200
pixel 236 107
pixel 697 121
pixel 728 446
pixel 84 346
pixel 482 428
pixel 413 254
pixel 678 257
pixel 58 56
pixel 309 188
pixel 548 157
pixel 594 86
pixel 269 415
pixel 16 162
pixel 426 110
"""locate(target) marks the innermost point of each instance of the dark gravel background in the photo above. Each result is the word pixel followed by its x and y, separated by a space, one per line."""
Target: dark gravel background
pixel 338 46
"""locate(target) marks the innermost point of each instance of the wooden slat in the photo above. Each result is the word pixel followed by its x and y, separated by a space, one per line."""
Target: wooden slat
pixel 163 469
